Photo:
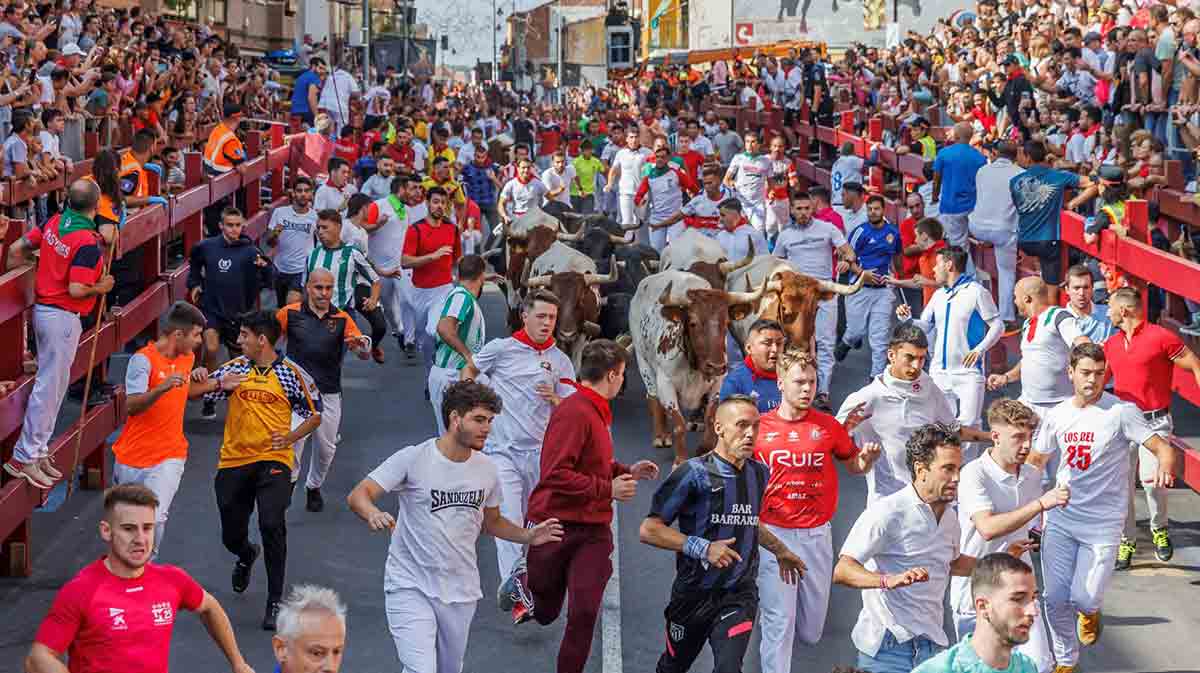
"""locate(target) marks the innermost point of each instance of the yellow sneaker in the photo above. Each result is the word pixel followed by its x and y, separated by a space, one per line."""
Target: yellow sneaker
pixel 1064 669
pixel 1088 628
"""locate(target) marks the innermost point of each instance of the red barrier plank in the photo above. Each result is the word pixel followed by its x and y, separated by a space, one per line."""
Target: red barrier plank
pixel 106 346
pixel 1187 460
pixel 278 158
pixel 16 292
pixel 143 311
pixel 176 281
pixel 821 177
pixel 826 135
pixel 911 165
pixel 189 203
pixel 253 170
pixel 806 169
pixel 225 185
pixel 145 225
pixel 805 131
pixel 887 158
pixel 12 406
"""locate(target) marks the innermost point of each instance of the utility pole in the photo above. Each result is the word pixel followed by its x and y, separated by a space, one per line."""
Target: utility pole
pixel 366 28
pixel 495 57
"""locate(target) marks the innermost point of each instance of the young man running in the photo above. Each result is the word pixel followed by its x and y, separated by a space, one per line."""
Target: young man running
pixel 349 268
pixel 1090 434
pixel 460 332
pixel 531 376
pixel 1000 500
pixel 717 499
pixel 292 232
pixel 579 480
pixel 255 467
pixel 799 444
pixel 159 380
pixel 431 247
pixel 449 492
pixel 130 628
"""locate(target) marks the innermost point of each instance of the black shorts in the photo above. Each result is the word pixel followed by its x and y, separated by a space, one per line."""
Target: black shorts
pixel 227 330
pixel 722 617
pixel 1049 253
pixel 285 282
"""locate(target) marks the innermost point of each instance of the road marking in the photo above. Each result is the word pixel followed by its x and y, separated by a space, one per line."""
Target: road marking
pixel 610 615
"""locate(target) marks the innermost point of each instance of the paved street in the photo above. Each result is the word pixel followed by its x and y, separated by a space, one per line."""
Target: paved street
pixel 1150 613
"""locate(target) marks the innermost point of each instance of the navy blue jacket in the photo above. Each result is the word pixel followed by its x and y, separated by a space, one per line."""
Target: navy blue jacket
pixel 228 275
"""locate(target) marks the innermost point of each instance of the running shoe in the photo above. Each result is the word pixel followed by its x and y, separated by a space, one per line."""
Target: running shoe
pixel 241 570
pixel 209 410
pixel 1088 628
pixel 1125 553
pixel 271 617
pixel 1163 549
pixel 30 472
pixel 508 594
pixel 314 501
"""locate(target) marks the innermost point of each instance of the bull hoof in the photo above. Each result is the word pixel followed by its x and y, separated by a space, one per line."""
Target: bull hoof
pixel 661 442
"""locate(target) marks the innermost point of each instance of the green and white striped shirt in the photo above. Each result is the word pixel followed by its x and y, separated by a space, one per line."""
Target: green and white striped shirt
pixel 460 304
pixel 348 266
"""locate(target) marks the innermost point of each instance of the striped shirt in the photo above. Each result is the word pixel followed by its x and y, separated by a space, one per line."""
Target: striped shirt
pixel 348 266
pixel 461 305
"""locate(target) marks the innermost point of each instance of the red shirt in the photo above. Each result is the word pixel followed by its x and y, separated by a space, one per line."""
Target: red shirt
pixel 471 215
pixel 692 161
pixel 548 140
pixel 908 236
pixel 74 258
pixel 1143 365
pixel 577 465
pixel 107 623
pixel 347 149
pixel 422 239
pixel 803 489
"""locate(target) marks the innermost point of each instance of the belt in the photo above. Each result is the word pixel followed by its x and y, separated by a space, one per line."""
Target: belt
pixel 1156 414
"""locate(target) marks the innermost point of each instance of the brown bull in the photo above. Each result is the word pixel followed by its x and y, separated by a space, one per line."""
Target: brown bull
pixel 579 306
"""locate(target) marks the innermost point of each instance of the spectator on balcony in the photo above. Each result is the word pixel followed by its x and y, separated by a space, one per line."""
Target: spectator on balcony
pixel 70 276
pixel 16 148
pixel 954 171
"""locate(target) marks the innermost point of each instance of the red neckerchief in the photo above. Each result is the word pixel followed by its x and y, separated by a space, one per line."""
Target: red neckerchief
pixel 756 373
pixel 1033 326
pixel 597 400
pixel 988 120
pixel 1014 75
pixel 517 175
pixel 1088 133
pixel 523 336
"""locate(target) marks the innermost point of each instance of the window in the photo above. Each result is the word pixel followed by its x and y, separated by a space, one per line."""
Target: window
pixel 217 12
pixel 620 48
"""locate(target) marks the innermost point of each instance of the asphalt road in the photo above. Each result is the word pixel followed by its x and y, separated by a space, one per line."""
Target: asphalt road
pixel 1150 613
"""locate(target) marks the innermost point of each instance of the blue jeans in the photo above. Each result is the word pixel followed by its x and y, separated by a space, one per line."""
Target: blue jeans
pixel 896 657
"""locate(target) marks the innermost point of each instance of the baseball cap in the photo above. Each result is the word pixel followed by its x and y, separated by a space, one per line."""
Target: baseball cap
pixel 1011 59
pixel 72 50
pixel 1092 36
pixel 1110 173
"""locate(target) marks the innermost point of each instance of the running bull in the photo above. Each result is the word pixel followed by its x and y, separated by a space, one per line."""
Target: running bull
pixel 571 276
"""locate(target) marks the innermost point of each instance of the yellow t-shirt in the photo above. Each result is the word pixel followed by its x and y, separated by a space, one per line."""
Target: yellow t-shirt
pixel 263 404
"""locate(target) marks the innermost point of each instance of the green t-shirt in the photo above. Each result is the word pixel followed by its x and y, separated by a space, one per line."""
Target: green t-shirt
pixel 460 304
pixel 586 170
pixel 961 658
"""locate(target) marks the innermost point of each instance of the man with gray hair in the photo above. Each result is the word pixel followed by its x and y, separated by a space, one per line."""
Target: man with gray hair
pixel 311 634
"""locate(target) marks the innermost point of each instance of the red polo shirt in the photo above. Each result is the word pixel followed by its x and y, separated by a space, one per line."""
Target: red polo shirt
pixel 1143 365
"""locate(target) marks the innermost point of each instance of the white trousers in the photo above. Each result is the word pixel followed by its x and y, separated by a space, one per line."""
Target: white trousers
pixel 408 309
pixel 626 209
pixel 1036 648
pixel 57 333
pixel 825 334
pixel 391 298
pixel 519 472
pixel 1004 244
pixel 871 308
pixel 967 388
pixel 163 479
pixel 440 378
pixel 471 241
pixel 426 300
pixel 1076 574
pixel 777 217
pixel 1144 465
pixel 430 635
pixel 790 611
pixel 658 238
pixel 324 438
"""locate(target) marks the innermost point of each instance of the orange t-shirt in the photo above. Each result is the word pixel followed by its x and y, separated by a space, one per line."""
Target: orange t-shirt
pixel 156 434
pixel 925 267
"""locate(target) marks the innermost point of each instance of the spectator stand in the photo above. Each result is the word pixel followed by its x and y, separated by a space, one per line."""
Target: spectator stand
pixel 149 229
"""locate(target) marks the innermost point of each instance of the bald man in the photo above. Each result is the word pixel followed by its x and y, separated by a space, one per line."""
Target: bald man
pixel 318 335
pixel 1046 340
pixel 954 172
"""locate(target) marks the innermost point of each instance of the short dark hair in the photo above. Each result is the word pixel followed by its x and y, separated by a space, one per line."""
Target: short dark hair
pixel 956 255
pixel 438 161
pixel 436 191
pixel 907 333
pixel 336 163
pixel 470 267
pixel 181 316
pixel 143 141
pixel 545 296
pixel 989 570
pixel 137 495
pixel 357 203
pixel 303 180
pixel 262 323
pixel 228 211
pixel 710 170
pixel 877 198
pixel 931 227
pixel 820 192
pixel 397 183
pixel 329 215
pixel 599 358
pixel 1080 271
pixel 731 204
pixel 799 195
pixel 463 396
pixel 765 324
pixel 1087 351
pixel 1035 150
pixel 922 445
pixel 49 115
pixel 738 398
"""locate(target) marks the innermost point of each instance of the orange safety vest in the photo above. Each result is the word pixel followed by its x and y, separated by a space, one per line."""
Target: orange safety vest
pixel 215 156
pixel 135 173
pixel 105 208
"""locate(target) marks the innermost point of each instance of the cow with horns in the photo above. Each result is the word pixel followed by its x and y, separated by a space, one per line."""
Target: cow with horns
pixel 572 277
pixel 679 323
pixel 696 253
pixel 525 239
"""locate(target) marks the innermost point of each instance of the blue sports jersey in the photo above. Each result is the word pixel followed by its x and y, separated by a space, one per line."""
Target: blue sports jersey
pixel 714 500
pixel 741 381
pixel 875 247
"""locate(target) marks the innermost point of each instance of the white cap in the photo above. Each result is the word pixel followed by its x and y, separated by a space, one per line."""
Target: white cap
pixel 72 50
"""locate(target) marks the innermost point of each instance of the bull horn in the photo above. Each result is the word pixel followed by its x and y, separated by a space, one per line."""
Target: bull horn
pixel 618 240
pixel 665 297
pixel 595 278
pixel 591 328
pixel 525 268
pixel 748 297
pixel 568 237
pixel 842 288
pixel 492 253
pixel 538 282
pixel 729 267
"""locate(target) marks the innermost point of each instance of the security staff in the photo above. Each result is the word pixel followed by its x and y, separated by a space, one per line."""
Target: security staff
pixel 222 153
pixel 135 171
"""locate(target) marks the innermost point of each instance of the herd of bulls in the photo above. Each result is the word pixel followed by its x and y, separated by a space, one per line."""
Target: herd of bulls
pixel 676 310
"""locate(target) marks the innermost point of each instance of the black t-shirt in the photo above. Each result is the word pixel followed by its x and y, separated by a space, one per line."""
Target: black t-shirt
pixel 523 131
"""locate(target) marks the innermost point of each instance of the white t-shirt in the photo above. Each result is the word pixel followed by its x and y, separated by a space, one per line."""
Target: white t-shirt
pixel 297 236
pixel 894 535
pixel 631 162
pixel 520 197
pixel 703 146
pixel 845 169
pixel 514 370
pixel 750 176
pixel 329 197
pixel 355 236
pixel 851 219
pixel 1046 342
pixel 897 409
pixel 378 98
pixel 554 180
pixel 958 319
pixel 335 95
pixel 49 144
pixel 1092 447
pixel 810 249
pixel 438 520
pixel 387 242
pixel 745 240
pixel 984 486
pixel 994 207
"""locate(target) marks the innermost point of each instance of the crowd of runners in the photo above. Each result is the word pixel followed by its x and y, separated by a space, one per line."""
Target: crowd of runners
pixel 974 472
